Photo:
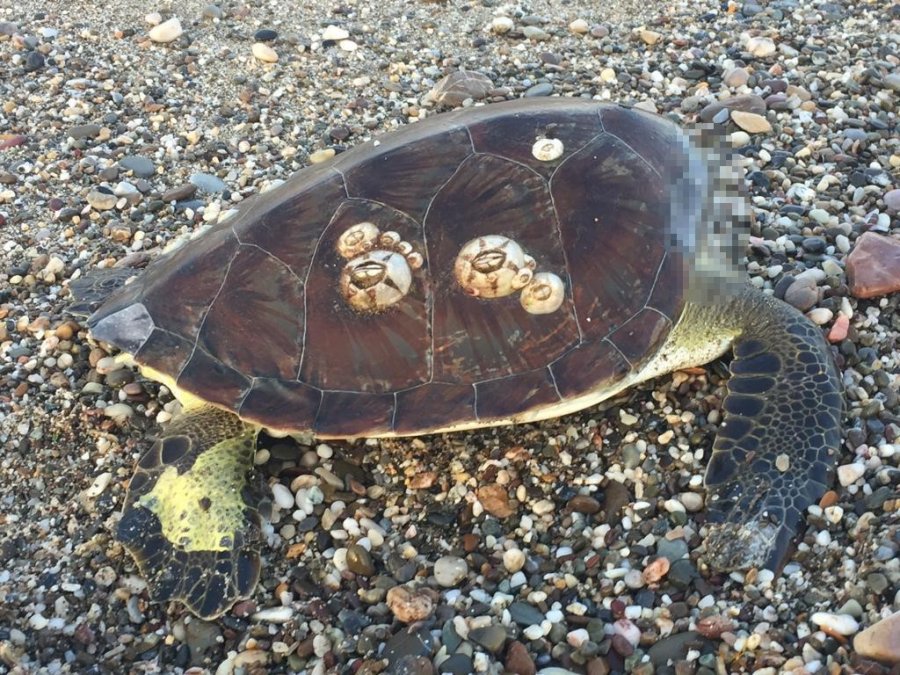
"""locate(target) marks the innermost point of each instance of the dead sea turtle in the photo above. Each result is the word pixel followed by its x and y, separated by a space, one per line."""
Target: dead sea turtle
pixel 490 266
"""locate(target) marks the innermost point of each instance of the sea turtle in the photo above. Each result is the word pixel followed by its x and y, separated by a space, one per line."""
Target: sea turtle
pixel 496 265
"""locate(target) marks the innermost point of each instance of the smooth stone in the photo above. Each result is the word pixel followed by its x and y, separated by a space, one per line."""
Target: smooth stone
pixel 334 34
pixel 359 561
pixel 892 81
pixel 650 37
pixel 491 637
pixel 84 131
pixel 265 35
pixel 449 570
pixel 843 624
pixel 540 89
pixel 405 643
pixel 675 647
pixel 751 122
pixel 802 294
pixel 212 12
pixel 873 266
pixel 263 52
pixel 206 182
pixel 880 641
pixel 736 77
pixel 535 33
pixel 459 86
pixel 167 31
pixel 673 549
pixel 101 199
pixel 141 166
pixel 892 199
pixel 501 25
pixel 34 61
pixel 579 26
pixel 518 660
pixel 179 193
pixel 761 47
pixel 524 614
pixel 457 664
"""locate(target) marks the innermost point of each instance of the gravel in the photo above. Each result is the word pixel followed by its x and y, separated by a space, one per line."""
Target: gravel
pixel 568 546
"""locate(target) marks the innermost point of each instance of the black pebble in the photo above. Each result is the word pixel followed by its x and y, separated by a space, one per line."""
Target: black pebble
pixel 265 35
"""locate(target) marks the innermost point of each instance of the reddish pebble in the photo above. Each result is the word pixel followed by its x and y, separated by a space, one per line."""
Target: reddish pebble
pixel 618 609
pixel 838 331
pixel 714 626
pixel 10 140
pixel 518 660
pixel 622 645
pixel 655 571
pixel 873 266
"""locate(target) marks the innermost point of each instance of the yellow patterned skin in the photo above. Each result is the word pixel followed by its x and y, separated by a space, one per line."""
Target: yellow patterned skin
pixel 192 516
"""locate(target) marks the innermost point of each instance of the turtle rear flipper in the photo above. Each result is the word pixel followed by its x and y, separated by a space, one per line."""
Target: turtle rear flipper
pixel 775 453
pixel 191 519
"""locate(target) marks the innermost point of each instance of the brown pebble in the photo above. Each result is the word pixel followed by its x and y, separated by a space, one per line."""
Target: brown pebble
pixel 495 501
pixel 713 626
pixel 597 666
pixel 359 561
pixel 583 504
pixel 422 481
pixel 518 660
pixel 622 646
pixel 830 498
pixel 64 331
pixel 873 266
pixel 176 194
pixel 470 542
pixel 881 641
pixel 410 605
pixel 655 571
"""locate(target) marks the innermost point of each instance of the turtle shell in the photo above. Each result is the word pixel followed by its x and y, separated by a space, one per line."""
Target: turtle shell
pixel 483 266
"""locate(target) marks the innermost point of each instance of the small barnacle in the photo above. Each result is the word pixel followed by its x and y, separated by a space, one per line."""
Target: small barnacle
pixel 389 239
pixel 357 239
pixel 547 149
pixel 544 294
pixel 415 260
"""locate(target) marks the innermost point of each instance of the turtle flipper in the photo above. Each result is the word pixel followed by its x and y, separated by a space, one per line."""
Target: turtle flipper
pixel 775 453
pixel 93 289
pixel 191 520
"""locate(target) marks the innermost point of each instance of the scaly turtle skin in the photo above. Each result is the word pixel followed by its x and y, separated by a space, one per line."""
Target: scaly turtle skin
pixel 498 265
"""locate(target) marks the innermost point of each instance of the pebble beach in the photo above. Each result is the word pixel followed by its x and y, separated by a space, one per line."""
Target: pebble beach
pixel 569 546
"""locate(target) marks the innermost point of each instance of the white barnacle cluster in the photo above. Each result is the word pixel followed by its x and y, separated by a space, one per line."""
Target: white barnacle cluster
pixel 379 267
pixel 495 266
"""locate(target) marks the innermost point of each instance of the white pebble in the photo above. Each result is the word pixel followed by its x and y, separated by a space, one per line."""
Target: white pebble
pixel 513 560
pixel 167 31
pixel 501 25
pixel 274 615
pixel 334 34
pixel 577 637
pixel 543 507
pixel 282 496
pixel 850 473
pixel 843 624
pixel 534 632
pixel 263 52
pixel 820 315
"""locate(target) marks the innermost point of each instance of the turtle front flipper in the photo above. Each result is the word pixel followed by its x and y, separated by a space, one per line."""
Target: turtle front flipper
pixel 775 453
pixel 191 520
